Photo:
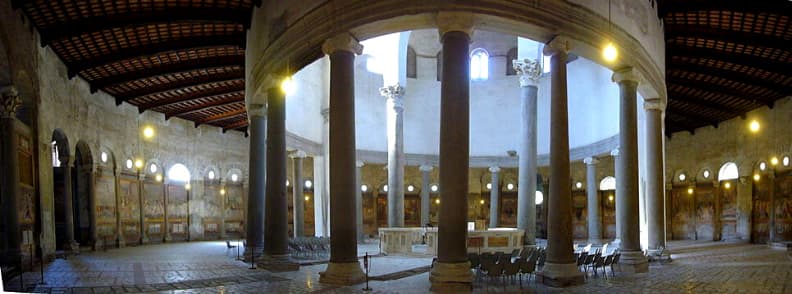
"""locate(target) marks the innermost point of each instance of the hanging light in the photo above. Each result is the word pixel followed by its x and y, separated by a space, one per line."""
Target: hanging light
pixel 690 190
pixel 756 177
pixel 437 201
pixel 148 132
pixel 288 86
pixel 774 160
pixel 138 163
pixel 727 185
pixel 609 52
pixel 754 126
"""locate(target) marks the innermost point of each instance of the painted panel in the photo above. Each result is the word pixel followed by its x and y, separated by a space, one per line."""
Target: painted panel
pixel 129 198
pixel 783 207
pixel 105 207
pixel 682 217
pixel 760 223
pixel 212 211
pixel 154 211
pixel 234 211
pixel 177 212
pixel 608 200
pixel 705 212
pixel 508 210
pixel 728 210
pixel 579 215
pixel 412 210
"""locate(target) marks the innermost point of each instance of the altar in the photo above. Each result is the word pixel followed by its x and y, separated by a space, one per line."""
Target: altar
pixel 401 240
pixel 487 240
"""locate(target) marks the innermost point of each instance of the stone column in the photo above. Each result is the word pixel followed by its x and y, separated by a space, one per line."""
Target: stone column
pixel 618 175
pixel 142 217
pixel 655 184
pixel 452 270
pixel 396 160
pixel 627 173
pixel 494 196
pixel 594 207
pixel 255 206
pixel 359 202
pixel 298 194
pixel 10 179
pixel 529 72
pixel 68 203
pixel 276 223
pixel 560 269
pixel 344 267
pixel 119 236
pixel 425 190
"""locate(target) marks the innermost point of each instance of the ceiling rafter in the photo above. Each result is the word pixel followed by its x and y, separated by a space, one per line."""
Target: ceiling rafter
pixel 721 90
pixel 172 68
pixel 684 6
pixel 692 116
pixel 730 75
pixel 236 125
pixel 180 85
pixel 186 15
pixel 233 97
pixel 156 49
pixel 191 96
pixel 220 117
pixel 730 36
pixel 712 105
pixel 765 64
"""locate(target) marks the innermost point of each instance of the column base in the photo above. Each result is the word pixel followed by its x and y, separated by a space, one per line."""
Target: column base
pixel 451 277
pixel 560 275
pixel 278 263
pixel 633 262
pixel 342 273
pixel 253 253
pixel 71 247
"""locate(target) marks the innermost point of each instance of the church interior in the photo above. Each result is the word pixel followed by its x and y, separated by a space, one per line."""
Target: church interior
pixel 395 146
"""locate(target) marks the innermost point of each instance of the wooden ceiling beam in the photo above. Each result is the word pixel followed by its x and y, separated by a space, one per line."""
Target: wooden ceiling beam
pixel 156 49
pixel 219 117
pixel 690 116
pixel 192 96
pixel 182 66
pixel 684 98
pixel 233 97
pixel 722 90
pixel 237 125
pixel 731 75
pixel 184 15
pixel 769 65
pixel 181 85
pixel 684 6
pixel 729 36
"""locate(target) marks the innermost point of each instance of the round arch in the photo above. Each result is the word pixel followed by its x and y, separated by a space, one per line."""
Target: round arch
pixel 607 184
pixel 728 171
pixel 84 199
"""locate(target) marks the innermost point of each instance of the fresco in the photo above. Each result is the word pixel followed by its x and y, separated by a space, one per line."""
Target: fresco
pixel 608 214
pixel 104 189
pixel 728 212
pixel 683 223
pixel 177 211
pixel 154 211
pixel 783 207
pixel 760 223
pixel 579 215
pixel 129 208
pixel 705 213
pixel 234 211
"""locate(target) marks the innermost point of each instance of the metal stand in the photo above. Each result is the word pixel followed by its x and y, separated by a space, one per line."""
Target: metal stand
pixel 366 265
pixel 252 260
pixel 238 243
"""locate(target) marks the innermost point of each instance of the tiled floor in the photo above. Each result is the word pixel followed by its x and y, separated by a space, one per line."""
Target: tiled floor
pixel 208 267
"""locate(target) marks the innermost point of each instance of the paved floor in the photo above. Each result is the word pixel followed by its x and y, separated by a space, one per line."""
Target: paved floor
pixel 208 267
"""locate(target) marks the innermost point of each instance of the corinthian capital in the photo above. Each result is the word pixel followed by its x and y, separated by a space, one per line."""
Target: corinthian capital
pixel 395 91
pixel 11 102
pixel 655 104
pixel 529 71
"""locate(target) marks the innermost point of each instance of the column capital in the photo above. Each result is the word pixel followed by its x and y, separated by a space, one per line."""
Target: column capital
pixel 557 45
pixel 342 42
pixel 494 169
pixel 394 95
pixel 626 74
pixel 359 163
pixel 298 154
pixel 11 102
pixel 615 152
pixel 529 71
pixel 325 114
pixel 654 104
pixel 426 168
pixel 591 160
pixel 453 21
pixel 256 110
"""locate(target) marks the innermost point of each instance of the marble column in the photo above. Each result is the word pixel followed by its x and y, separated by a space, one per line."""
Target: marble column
pixel 396 160
pixel 452 270
pixel 359 202
pixel 560 269
pixel 276 224
pixel 344 267
pixel 655 184
pixel 10 175
pixel 71 244
pixel 425 193
pixel 257 115
pixel 593 203
pixel 494 196
pixel 632 259
pixel 298 193
pixel 529 72
pixel 618 175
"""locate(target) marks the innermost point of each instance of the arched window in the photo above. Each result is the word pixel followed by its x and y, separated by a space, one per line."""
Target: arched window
pixel 55 155
pixel 608 183
pixel 510 57
pixel 411 63
pixel 179 173
pixel 479 65
pixel 728 172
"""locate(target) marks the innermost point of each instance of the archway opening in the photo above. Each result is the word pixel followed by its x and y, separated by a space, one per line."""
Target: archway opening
pixel 82 194
pixel 59 148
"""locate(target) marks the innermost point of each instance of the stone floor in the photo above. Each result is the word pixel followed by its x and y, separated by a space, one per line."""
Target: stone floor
pixel 208 267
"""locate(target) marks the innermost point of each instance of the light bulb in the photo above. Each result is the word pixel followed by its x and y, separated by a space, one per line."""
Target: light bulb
pixel 364 188
pixel 437 201
pixel 158 178
pixel 138 163
pixel 148 132
pixel 481 201
pixel 489 186
pixel 307 198
pixel 578 185
pixel 435 188
pixel 610 53
pixel 754 126
pixel 187 186
pixel 610 197
pixel 539 197
pixel 727 185
pixel 222 191
pixel 756 177
pixel 288 86
pixel 510 186
pixel 410 188
pixel 774 160
pixel 690 190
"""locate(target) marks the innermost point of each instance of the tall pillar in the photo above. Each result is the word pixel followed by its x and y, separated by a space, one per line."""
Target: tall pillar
pixel 494 196
pixel 344 267
pixel 141 177
pixel 298 194
pixel 359 202
pixel 276 233
pixel 560 269
pixel 529 72
pixel 255 207
pixel 655 184
pixel 452 269
pixel 633 259
pixel 618 175
pixel 68 196
pixel 425 189
pixel 594 207
pixel 396 160
pixel 10 172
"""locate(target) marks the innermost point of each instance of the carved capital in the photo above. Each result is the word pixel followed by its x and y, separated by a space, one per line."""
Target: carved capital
pixel 342 42
pixel 394 95
pixel 426 168
pixel 615 152
pixel 591 160
pixel 256 110
pixel 298 154
pixel 455 22
pixel 529 71
pixel 494 169
pixel 11 102
pixel 557 45
pixel 627 74
pixel 654 104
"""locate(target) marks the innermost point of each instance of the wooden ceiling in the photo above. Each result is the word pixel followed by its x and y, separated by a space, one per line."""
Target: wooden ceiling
pixel 183 58
pixel 724 58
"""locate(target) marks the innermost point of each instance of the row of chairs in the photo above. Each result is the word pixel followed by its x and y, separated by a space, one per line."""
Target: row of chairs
pixel 310 247
pixel 597 260
pixel 508 266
